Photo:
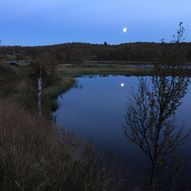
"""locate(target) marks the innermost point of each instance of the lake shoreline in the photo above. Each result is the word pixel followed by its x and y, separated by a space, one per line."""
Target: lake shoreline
pixel 66 74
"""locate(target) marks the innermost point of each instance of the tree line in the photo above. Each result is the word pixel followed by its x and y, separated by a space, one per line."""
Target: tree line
pixel 80 52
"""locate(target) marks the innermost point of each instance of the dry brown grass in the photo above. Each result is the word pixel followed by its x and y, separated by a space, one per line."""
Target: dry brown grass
pixel 34 155
pixel 29 151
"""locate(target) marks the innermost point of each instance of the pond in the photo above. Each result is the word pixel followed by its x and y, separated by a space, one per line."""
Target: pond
pixel 95 109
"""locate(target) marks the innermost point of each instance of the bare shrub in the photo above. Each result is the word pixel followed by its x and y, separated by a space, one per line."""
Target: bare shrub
pixel 150 124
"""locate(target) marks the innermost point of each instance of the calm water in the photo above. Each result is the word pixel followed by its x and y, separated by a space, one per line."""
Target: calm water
pixel 95 109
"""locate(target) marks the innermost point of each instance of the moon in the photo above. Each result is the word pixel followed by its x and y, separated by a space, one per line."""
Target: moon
pixel 125 29
pixel 122 85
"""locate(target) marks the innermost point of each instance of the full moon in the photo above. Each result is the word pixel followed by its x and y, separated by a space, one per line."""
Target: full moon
pixel 125 29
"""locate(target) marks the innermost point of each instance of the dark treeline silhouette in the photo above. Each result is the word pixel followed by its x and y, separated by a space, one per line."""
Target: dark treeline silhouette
pixel 80 52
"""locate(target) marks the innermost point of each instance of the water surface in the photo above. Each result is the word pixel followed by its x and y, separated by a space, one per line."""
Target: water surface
pixel 95 108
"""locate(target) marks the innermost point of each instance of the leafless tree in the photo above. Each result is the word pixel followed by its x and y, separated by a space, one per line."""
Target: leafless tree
pixel 180 33
pixel 150 123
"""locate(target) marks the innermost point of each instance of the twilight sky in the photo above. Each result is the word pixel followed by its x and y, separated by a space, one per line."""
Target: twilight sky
pixel 40 22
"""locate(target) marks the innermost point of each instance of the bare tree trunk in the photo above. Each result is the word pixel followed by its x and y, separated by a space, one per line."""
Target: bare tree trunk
pixel 39 101
pixel 153 176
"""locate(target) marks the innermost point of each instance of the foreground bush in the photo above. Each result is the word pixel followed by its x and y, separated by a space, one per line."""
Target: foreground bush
pixel 34 155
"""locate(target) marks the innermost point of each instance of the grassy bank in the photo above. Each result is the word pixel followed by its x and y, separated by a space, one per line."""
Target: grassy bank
pixel 16 84
pixel 50 93
pixel 34 155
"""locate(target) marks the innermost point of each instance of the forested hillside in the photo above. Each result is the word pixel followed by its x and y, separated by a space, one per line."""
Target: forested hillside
pixel 80 52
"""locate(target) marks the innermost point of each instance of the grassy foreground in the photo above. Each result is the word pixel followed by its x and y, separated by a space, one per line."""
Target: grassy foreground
pixel 36 156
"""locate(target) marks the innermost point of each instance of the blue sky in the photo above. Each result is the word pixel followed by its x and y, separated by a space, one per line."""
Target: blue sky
pixel 40 22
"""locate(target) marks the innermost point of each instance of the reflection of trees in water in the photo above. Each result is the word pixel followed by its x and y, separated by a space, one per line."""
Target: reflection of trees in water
pixel 150 124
